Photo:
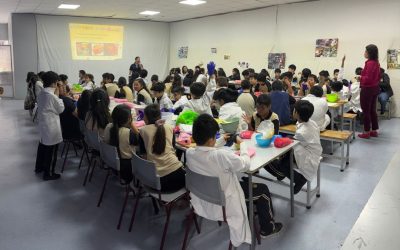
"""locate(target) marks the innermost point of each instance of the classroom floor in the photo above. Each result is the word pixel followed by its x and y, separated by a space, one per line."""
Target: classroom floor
pixel 63 215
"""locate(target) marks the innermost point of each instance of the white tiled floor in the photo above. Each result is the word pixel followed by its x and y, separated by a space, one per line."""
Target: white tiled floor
pixel 63 215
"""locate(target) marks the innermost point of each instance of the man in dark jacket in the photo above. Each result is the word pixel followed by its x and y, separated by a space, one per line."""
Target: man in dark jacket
pixel 386 90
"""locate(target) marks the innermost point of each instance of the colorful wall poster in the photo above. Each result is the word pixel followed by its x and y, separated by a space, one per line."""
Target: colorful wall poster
pixel 326 47
pixel 393 60
pixel 276 60
pixel 183 52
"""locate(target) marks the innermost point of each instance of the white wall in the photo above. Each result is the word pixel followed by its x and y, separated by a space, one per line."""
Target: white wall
pixel 3 31
pixel 293 29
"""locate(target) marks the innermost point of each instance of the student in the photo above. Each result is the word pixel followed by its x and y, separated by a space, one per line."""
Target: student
pixel 98 115
pixel 386 90
pixel 302 85
pixel 82 75
pixel 229 110
pixel 307 153
pixel 83 104
pixel 184 72
pixel 201 77
pixel 124 91
pixel 123 134
pixel 292 69
pixel 143 74
pixel 319 115
pixel 354 106
pixel 264 86
pixel 255 87
pixel 89 82
pixel 157 141
pixel 50 106
pixel 187 81
pixel 180 99
pixel 277 74
pixel 235 75
pixel 337 88
pixel 221 72
pixel 64 80
pixel 160 97
pixel 305 88
pixel 281 103
pixel 177 82
pixel 324 81
pixel 69 117
pixel 153 80
pixel 286 79
pixel 263 112
pixel 338 73
pixel 110 86
pixel 143 94
pixel 246 74
pixel 206 159
pixel 246 100
pixel 200 102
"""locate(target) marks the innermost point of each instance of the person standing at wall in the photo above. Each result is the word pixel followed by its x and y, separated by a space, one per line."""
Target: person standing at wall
pixel 370 78
pixel 137 66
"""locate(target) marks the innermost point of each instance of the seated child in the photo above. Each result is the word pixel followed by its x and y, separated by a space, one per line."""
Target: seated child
pixel 124 91
pixel 229 110
pixel 354 105
pixel 263 112
pixel 312 80
pixel 337 88
pixel 98 115
pixel 286 79
pixel 180 99
pixel 307 153
pixel 200 102
pixel 143 95
pixel 69 117
pixel 324 82
pixel 264 86
pixel 160 97
pixel 206 159
pixel 246 100
pixel 281 103
pixel 89 82
pixel 123 134
pixel 253 82
pixel 319 116
pixel 157 141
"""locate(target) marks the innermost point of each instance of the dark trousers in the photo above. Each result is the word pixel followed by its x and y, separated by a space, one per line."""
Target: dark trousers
pixel 262 201
pixel 46 159
pixel 125 170
pixel 173 181
pixel 281 169
pixel 368 98
pixel 383 98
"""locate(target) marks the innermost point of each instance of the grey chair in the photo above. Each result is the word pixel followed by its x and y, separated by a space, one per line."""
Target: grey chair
pixel 207 188
pixel 93 144
pixel 146 174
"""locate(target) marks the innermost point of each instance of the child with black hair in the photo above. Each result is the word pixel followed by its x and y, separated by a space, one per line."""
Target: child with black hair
pixel 324 81
pixel 89 82
pixel 320 116
pixel 98 115
pixel 209 160
pixel 354 106
pixel 124 91
pixel 49 108
pixel 111 87
pixel 230 111
pixel 264 86
pixel 247 100
pixel 235 75
pixel 199 102
pixel 281 103
pixel 160 97
pixel 142 93
pixel 143 75
pixel 307 153
pixel 180 99
pixel 337 88
pixel 123 134
pixel 83 104
pixel 153 80
pixel 253 82
pixel 263 112
pixel 157 141
pixel 312 80
pixel 277 74
pixel 246 74
pixel 286 79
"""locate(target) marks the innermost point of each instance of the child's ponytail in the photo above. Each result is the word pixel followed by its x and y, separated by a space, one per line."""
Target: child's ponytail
pixel 153 115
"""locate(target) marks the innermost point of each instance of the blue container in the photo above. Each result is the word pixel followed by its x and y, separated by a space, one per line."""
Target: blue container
pixel 264 143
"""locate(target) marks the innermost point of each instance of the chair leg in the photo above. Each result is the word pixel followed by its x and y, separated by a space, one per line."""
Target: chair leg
pixel 76 152
pixel 155 205
pixel 168 209
pixel 187 230
pixel 127 191
pixel 65 158
pixel 257 232
pixel 196 223
pixel 308 206
pixel 62 151
pixel 83 155
pixel 103 189
pixel 134 209
pixel 230 245
pixel 91 162
pixel 91 173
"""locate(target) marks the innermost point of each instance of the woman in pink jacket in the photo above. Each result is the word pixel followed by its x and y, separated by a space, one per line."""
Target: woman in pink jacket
pixel 370 77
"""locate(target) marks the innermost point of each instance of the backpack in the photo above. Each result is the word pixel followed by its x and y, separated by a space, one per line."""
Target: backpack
pixel 30 100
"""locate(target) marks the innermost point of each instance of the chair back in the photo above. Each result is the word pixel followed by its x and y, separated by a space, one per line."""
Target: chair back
pixel 205 187
pixel 92 139
pixel 109 155
pixel 82 127
pixel 145 171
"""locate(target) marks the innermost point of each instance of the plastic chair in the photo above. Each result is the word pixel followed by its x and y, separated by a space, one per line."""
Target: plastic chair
pixel 93 144
pixel 207 188
pixel 146 173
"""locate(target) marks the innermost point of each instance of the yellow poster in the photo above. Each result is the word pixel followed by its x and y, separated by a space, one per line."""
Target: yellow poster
pixel 96 42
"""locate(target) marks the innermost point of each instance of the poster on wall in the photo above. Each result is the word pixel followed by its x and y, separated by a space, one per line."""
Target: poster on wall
pixel 183 52
pixel 393 60
pixel 326 47
pixel 227 57
pixel 276 60
pixel 243 64
pixel 213 50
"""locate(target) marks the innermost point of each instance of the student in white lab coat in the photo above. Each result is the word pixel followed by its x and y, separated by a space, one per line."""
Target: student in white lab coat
pixel 307 154
pixel 354 105
pixel 160 97
pixel 200 102
pixel 320 115
pixel 180 99
pixel 50 106
pixel 208 160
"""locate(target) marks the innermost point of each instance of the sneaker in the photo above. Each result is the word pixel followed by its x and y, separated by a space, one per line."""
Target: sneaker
pixel 373 133
pixel 51 177
pixel 364 135
pixel 277 229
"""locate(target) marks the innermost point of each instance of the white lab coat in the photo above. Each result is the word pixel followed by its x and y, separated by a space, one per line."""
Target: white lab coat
pixel 88 85
pixel 231 112
pixel 354 103
pixel 308 152
pixel 181 102
pixel 320 109
pixel 201 105
pixel 38 88
pixel 165 102
pixel 49 109
pixel 225 164
pixel 202 78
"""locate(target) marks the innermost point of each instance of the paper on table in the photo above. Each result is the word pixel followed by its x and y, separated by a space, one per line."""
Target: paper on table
pixel 250 151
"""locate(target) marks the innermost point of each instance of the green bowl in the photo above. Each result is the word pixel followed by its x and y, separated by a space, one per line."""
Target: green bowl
pixel 332 97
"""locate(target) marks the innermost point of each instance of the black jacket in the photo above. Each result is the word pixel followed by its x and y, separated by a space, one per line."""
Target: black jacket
pixel 385 85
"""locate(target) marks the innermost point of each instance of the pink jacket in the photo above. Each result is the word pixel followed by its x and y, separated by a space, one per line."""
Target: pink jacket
pixel 371 74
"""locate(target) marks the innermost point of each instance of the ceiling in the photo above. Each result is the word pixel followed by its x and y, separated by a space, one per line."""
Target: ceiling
pixel 170 10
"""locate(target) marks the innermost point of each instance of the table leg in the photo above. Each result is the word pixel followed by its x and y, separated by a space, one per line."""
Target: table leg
pixel 291 185
pixel 251 213
pixel 341 116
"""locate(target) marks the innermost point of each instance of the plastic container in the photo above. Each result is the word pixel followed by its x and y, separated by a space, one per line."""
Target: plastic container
pixel 230 127
pixel 264 143
pixel 332 97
